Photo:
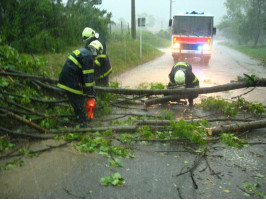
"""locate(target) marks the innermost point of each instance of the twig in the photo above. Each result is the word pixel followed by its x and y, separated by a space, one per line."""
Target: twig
pixel 195 164
pixel 25 121
pixel 179 193
pixel 193 180
pixel 211 170
pixel 22 107
pixel 24 75
pixel 244 93
pixel 38 151
pixel 76 196
pixel 37 100
pixel 34 136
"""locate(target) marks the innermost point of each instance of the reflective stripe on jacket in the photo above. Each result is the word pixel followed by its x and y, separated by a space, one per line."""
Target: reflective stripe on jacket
pixel 77 75
pixel 191 80
pixel 102 66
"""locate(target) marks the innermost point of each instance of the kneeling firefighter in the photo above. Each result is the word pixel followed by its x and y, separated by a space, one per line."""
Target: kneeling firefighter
pixel 182 75
pixel 102 63
pixel 77 79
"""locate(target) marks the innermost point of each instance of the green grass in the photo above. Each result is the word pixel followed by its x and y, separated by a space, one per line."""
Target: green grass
pixel 124 54
pixel 258 53
pixel 56 61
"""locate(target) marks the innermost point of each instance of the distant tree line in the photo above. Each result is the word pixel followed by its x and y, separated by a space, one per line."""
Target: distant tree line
pixel 245 21
pixel 35 26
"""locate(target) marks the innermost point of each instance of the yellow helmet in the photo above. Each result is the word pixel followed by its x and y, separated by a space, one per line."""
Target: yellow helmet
pixel 97 45
pixel 87 34
pixel 180 77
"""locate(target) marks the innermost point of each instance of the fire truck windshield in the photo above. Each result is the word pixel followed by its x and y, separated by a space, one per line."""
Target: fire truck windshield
pixel 192 25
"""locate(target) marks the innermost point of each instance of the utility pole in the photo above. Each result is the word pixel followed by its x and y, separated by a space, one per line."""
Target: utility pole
pixel 170 9
pixel 133 20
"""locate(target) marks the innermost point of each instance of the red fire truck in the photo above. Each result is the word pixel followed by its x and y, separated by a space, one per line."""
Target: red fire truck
pixel 192 36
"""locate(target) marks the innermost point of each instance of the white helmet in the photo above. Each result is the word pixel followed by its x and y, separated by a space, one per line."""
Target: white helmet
pixel 88 33
pixel 97 45
pixel 180 77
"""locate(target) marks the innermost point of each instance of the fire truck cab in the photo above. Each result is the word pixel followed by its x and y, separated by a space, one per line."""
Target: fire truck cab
pixel 192 36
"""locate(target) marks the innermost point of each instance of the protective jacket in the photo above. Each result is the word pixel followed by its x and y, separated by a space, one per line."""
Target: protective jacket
pixel 191 80
pixel 77 75
pixel 102 64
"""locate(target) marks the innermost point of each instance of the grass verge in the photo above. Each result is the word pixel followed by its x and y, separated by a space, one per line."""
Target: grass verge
pixel 124 54
pixel 259 53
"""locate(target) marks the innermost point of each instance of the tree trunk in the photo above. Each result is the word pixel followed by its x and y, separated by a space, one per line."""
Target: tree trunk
pixel 245 126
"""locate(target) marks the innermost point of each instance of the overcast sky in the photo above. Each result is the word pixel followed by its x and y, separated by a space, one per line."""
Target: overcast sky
pixel 160 9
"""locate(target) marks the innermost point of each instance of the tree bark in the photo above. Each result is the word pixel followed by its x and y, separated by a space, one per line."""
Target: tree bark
pixel 167 122
pixel 94 129
pixel 29 76
pixel 181 91
pixel 25 121
pixel 245 126
pixel 37 100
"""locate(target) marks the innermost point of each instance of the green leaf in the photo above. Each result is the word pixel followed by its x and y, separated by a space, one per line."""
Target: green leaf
pixel 260 175
pixel 115 182
pixel 116 175
pixel 246 194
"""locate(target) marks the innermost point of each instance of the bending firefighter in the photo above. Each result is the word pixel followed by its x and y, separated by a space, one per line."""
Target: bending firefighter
pixel 181 75
pixel 103 67
pixel 77 79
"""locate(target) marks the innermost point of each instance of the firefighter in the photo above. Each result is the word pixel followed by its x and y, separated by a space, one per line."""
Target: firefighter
pixel 181 75
pixel 103 67
pixel 77 78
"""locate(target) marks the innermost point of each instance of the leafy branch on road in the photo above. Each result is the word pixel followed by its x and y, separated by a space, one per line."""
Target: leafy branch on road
pixel 33 108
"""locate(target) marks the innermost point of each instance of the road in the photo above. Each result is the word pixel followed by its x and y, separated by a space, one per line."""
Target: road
pixel 226 64
pixel 66 173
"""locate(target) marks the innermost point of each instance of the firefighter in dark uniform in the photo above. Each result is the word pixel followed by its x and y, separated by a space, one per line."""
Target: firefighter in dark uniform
pixel 103 67
pixel 77 77
pixel 182 75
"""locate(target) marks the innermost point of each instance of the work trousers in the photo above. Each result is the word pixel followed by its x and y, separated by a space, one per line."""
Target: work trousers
pixel 77 102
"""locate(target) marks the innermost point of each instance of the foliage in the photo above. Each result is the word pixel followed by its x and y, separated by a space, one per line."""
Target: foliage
pixel 29 153
pixel 250 80
pixel 115 180
pixel 231 140
pixel 145 132
pixel 104 99
pixel 158 86
pixel 253 189
pixel 11 59
pixel 5 145
pixel 48 123
pixel 194 131
pixel 249 107
pixel 97 143
pixel 12 164
pixel 231 109
pixel 244 20
pixel 168 115
pixel 218 104
pixel 44 25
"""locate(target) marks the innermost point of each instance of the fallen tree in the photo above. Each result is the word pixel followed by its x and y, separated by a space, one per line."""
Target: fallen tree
pixel 237 127
pixel 180 92
pixel 174 94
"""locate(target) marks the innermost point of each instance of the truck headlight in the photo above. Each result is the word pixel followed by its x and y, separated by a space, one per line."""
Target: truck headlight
pixel 206 47
pixel 176 45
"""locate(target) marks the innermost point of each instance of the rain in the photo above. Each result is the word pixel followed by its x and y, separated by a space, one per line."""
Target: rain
pixel 144 139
